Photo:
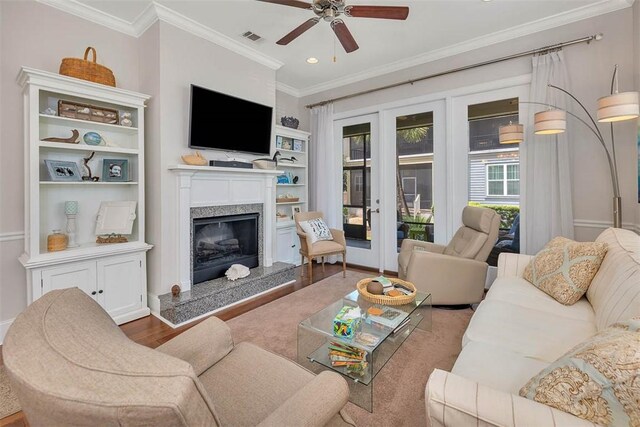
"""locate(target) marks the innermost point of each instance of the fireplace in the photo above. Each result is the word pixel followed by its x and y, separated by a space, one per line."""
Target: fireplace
pixel 220 241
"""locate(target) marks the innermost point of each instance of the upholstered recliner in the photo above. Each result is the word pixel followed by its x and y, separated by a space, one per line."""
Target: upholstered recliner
pixel 71 365
pixel 320 249
pixel 453 274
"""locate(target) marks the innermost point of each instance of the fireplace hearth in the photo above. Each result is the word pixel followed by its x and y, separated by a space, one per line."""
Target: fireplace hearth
pixel 221 241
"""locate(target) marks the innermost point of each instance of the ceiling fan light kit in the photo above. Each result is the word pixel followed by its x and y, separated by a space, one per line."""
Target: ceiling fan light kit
pixel 330 10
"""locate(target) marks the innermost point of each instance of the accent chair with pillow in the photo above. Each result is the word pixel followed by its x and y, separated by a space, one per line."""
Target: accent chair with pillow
pixel 537 355
pixel 317 240
pixel 454 274
pixel 71 365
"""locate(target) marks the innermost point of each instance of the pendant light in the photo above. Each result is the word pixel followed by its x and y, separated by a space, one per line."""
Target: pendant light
pixel 618 106
pixel 511 133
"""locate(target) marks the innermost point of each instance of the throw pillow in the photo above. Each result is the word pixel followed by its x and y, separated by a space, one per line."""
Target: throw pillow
pixel 316 229
pixel 564 268
pixel 598 380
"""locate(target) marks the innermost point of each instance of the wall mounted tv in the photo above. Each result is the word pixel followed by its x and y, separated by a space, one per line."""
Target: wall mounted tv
pixel 224 122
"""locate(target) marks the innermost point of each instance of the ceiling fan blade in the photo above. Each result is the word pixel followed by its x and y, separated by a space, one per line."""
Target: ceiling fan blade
pixel 381 12
pixel 344 35
pixel 292 3
pixel 297 32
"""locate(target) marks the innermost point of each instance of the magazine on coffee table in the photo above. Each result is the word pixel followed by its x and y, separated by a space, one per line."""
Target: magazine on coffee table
pixel 390 317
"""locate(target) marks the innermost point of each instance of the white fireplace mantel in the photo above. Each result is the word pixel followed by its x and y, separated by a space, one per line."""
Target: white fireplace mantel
pixel 202 186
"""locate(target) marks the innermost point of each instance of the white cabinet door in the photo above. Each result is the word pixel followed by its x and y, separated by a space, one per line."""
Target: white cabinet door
pixel 283 244
pixel 119 284
pixel 78 274
pixel 295 247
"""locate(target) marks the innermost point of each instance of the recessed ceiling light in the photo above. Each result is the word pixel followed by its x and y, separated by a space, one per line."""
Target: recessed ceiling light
pixel 312 60
pixel 486 1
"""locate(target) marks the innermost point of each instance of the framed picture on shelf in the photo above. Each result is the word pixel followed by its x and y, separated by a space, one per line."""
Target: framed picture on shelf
pixel 116 217
pixel 297 145
pixel 115 170
pixel 63 171
pixel 278 141
pixel 287 144
pixel 295 210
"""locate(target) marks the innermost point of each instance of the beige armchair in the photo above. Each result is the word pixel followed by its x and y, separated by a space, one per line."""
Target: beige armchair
pixel 71 365
pixel 321 249
pixel 454 274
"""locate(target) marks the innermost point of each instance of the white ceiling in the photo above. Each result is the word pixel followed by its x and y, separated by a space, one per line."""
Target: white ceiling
pixel 432 26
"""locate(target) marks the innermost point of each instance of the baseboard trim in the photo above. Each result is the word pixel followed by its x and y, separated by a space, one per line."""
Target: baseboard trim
pixel 217 310
pixel 4 327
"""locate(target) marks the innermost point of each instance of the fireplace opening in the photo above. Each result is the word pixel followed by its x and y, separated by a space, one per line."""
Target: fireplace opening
pixel 219 242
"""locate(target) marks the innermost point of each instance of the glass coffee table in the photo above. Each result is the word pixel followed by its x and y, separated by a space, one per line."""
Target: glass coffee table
pixel 315 335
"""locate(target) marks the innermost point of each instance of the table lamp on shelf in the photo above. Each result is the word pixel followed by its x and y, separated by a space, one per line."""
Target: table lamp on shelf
pixel 71 210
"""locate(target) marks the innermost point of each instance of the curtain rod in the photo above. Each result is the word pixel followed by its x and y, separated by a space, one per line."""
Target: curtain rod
pixel 587 40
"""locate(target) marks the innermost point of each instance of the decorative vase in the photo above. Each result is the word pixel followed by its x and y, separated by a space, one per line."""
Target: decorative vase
pixel 71 210
pixel 125 119
pixel 56 241
pixel 92 138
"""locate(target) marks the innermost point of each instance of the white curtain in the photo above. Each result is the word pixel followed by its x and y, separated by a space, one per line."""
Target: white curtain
pixel 547 209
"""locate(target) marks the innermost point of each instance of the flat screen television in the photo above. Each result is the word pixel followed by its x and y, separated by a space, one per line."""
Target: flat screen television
pixel 224 122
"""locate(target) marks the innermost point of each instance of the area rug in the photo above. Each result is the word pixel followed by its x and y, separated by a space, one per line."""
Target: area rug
pixel 398 394
pixel 8 400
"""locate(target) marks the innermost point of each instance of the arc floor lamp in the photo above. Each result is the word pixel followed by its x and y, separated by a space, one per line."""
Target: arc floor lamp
pixel 616 107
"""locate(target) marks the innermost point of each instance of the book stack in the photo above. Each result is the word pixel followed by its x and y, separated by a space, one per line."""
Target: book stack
pixel 353 358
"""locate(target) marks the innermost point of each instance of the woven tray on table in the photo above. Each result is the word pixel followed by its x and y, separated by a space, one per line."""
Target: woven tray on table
pixel 386 300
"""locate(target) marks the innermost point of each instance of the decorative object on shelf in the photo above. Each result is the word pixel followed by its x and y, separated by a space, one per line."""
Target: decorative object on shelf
pixel 288 159
pixel 112 238
pixel 278 141
pixel 175 290
pixel 347 322
pixel 287 143
pixel 295 179
pixel 295 210
pixel 56 241
pixel 73 139
pixel 407 289
pixel 237 271
pixel 50 112
pixel 281 216
pixel 75 110
pixel 283 179
pixel 93 138
pixel 195 159
pixel 89 176
pixel 71 210
pixel 87 70
pixel 375 288
pixel 286 198
pixel 297 145
pixel 267 164
pixel 289 122
pixel 125 119
pixel 116 217
pixel 612 108
pixel 115 170
pixel 63 171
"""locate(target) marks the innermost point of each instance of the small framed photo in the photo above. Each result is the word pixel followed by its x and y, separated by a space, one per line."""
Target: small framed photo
pixel 295 210
pixel 64 171
pixel 287 144
pixel 278 141
pixel 115 170
pixel 297 145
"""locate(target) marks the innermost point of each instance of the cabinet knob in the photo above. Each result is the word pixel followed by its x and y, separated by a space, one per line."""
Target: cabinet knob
pixel 293 246
pixel 93 293
pixel 100 291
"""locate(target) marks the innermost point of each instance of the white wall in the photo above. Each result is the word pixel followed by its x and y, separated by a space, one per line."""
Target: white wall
pixel 289 105
pixel 590 68
pixel 38 36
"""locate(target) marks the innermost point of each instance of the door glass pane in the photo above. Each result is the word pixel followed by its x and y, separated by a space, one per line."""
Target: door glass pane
pixel 414 177
pixel 356 184
pixel 494 169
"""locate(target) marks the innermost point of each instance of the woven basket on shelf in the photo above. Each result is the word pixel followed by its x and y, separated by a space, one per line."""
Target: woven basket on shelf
pixel 383 299
pixel 87 70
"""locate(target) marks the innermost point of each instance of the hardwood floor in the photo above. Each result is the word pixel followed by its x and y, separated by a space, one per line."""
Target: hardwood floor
pixel 151 331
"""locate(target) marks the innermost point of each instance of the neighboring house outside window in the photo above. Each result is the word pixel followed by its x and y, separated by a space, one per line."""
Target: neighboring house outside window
pixel 503 179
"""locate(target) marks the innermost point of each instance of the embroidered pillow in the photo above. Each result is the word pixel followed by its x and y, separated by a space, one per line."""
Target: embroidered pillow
pixel 564 268
pixel 316 229
pixel 597 380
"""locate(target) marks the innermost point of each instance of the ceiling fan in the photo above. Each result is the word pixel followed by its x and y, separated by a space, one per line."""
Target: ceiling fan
pixel 330 10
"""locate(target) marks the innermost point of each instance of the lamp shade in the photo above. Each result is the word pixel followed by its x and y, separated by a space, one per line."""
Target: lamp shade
pixel 618 107
pixel 511 134
pixel 550 122
pixel 71 207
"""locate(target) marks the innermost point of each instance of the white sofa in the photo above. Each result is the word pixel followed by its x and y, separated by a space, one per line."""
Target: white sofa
pixel 518 330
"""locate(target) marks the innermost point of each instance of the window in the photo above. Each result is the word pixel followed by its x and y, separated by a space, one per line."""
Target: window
pixel 503 179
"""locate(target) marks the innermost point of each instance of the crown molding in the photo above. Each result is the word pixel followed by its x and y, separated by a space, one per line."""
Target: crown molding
pixel 157 12
pixel 589 11
pixel 289 90
pixel 92 14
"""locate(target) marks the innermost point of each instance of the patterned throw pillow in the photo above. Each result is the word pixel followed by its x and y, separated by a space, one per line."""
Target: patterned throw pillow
pixel 598 380
pixel 564 268
pixel 316 229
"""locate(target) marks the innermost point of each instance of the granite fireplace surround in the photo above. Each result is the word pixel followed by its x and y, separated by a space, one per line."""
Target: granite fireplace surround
pixel 237 192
